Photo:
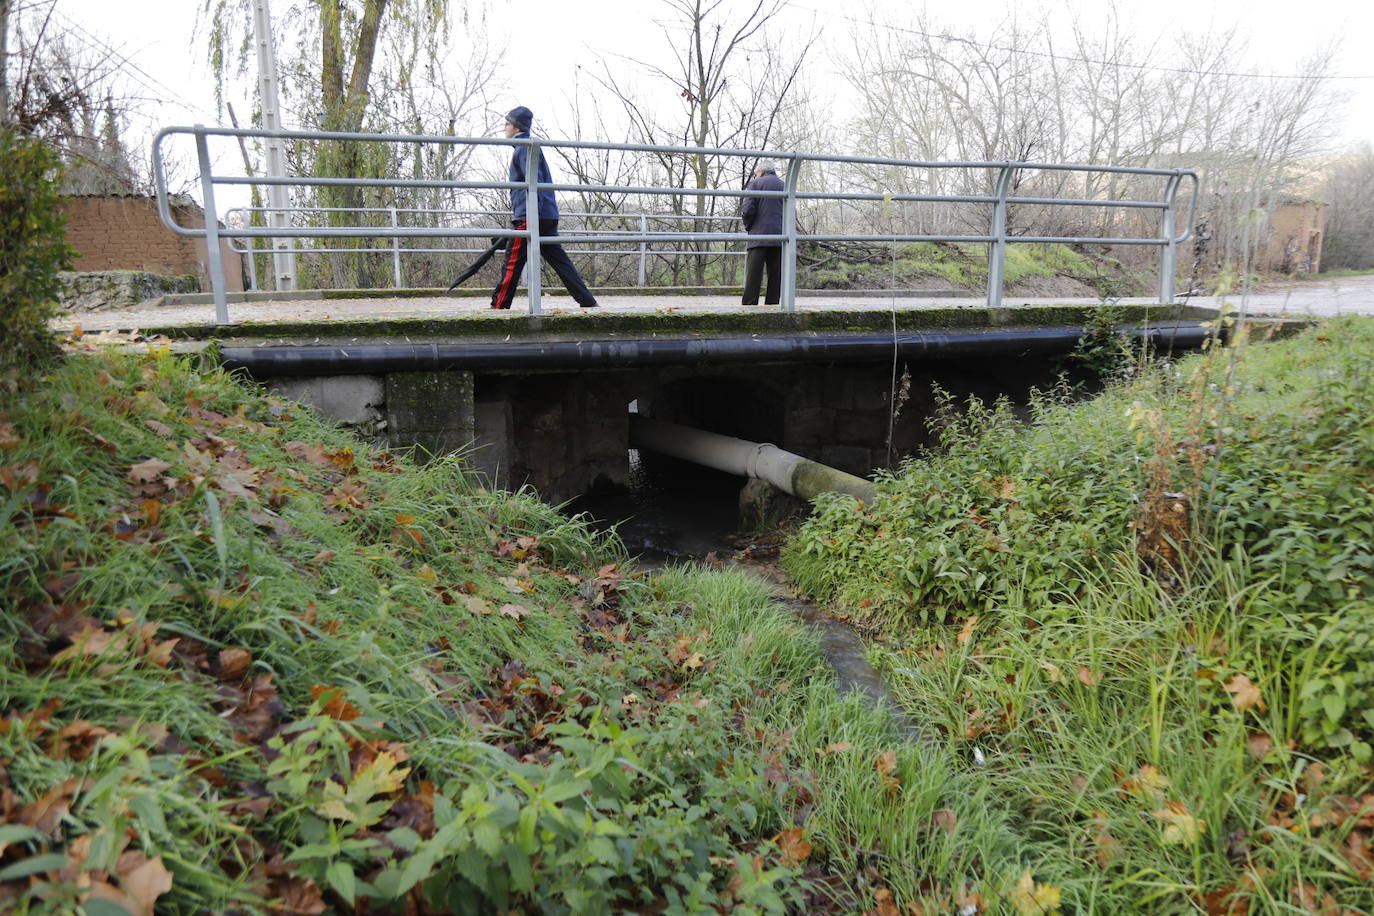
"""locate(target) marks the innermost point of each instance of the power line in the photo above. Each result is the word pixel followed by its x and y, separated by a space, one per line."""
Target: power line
pixel 149 82
pixel 1081 60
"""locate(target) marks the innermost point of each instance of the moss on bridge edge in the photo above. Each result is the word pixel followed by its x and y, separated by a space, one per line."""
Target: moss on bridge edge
pixel 611 324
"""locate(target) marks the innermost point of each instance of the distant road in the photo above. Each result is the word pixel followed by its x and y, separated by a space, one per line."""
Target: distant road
pixel 1336 296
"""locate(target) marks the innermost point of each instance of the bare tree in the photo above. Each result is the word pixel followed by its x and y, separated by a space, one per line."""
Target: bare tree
pixel 733 87
pixel 72 97
pixel 1108 95
pixel 1349 188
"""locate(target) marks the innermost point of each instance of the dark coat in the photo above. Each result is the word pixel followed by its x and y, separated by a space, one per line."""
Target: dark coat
pixel 519 160
pixel 763 215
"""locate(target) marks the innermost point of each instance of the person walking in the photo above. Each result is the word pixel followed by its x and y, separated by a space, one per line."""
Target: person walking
pixel 763 216
pixel 518 124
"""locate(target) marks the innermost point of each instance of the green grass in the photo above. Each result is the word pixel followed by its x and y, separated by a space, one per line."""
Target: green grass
pixel 1333 274
pixel 523 725
pixel 965 267
pixel 293 668
pixel 1150 613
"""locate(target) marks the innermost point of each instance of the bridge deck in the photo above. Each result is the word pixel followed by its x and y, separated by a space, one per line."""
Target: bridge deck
pixel 350 311
pixel 190 317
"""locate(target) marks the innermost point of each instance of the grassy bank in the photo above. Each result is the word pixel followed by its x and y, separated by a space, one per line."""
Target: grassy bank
pixel 249 664
pixel 1140 626
pixel 961 267
pixel 252 665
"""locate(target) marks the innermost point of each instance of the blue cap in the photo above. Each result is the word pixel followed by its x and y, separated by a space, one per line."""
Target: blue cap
pixel 521 117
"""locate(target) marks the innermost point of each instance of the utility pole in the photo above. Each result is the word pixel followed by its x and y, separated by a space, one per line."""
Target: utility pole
pixel 4 63
pixel 278 200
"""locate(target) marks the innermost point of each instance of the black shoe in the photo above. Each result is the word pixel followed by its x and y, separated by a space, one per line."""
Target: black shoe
pixel 588 305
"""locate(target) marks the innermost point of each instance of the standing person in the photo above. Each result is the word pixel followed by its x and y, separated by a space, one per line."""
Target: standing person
pixel 518 124
pixel 763 216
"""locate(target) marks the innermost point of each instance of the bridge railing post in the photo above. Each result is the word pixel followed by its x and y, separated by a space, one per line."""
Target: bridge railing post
pixel 395 251
pixel 1168 252
pixel 643 249
pixel 997 248
pixel 214 258
pixel 532 224
pixel 253 264
pixel 789 227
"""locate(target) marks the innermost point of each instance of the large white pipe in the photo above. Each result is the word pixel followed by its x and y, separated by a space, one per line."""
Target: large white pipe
pixel 788 472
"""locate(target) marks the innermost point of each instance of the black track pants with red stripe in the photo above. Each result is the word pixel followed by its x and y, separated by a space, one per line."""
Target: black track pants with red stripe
pixel 554 255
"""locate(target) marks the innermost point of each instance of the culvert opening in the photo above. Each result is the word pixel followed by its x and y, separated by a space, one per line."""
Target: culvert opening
pixel 668 510
pixel 672 509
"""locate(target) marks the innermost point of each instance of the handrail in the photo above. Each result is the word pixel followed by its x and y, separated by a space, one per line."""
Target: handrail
pixel 398 276
pixel 996 239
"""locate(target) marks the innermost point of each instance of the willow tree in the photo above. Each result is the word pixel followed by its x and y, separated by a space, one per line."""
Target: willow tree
pixel 331 54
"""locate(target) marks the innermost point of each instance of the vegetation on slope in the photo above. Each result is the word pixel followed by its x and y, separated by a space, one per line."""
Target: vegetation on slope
pixel 248 663
pixel 955 266
pixel 1144 621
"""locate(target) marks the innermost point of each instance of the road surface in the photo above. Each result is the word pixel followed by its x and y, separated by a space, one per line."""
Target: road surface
pixel 1336 296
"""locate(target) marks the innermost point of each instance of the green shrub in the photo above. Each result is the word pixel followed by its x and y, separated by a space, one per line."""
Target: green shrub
pixel 1266 450
pixel 32 249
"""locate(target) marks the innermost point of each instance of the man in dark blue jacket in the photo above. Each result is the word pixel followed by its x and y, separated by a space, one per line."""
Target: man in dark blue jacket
pixel 763 216
pixel 518 124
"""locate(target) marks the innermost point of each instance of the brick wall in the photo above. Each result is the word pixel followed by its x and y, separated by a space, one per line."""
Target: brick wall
pixel 126 233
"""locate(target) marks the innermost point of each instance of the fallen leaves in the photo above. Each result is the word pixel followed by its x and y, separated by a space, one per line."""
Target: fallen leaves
pixel 1106 848
pixel 356 804
pixel 233 663
pixel 966 631
pixel 515 611
pixel 332 703
pixel 20 476
pixel 1032 899
pixel 886 765
pixel 793 848
pixel 946 819
pixel 1244 694
pixel 1259 744
pixel 1180 826
pixel 1087 678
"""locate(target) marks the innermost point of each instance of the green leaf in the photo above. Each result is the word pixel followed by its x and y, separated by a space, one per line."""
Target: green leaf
pixel 97 906
pixel 217 530
pixel 34 865
pixel 340 877
pixel 529 819
pixel 521 877
pixel 1334 706
pixel 149 812
pixel 18 833
pixel 405 838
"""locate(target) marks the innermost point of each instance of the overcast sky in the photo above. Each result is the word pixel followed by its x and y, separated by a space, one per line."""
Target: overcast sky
pixel 166 61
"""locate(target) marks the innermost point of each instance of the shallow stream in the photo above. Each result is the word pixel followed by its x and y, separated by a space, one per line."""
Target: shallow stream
pixel 678 513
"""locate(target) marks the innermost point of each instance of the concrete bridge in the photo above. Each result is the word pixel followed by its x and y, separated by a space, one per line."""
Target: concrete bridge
pixel 546 400
pixel 544 395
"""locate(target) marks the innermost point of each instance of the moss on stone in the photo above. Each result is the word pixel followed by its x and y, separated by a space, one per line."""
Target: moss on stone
pixel 714 323
pixel 810 480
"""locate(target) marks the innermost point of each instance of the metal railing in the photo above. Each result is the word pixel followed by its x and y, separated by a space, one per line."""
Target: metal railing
pixel 394 213
pixel 997 237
